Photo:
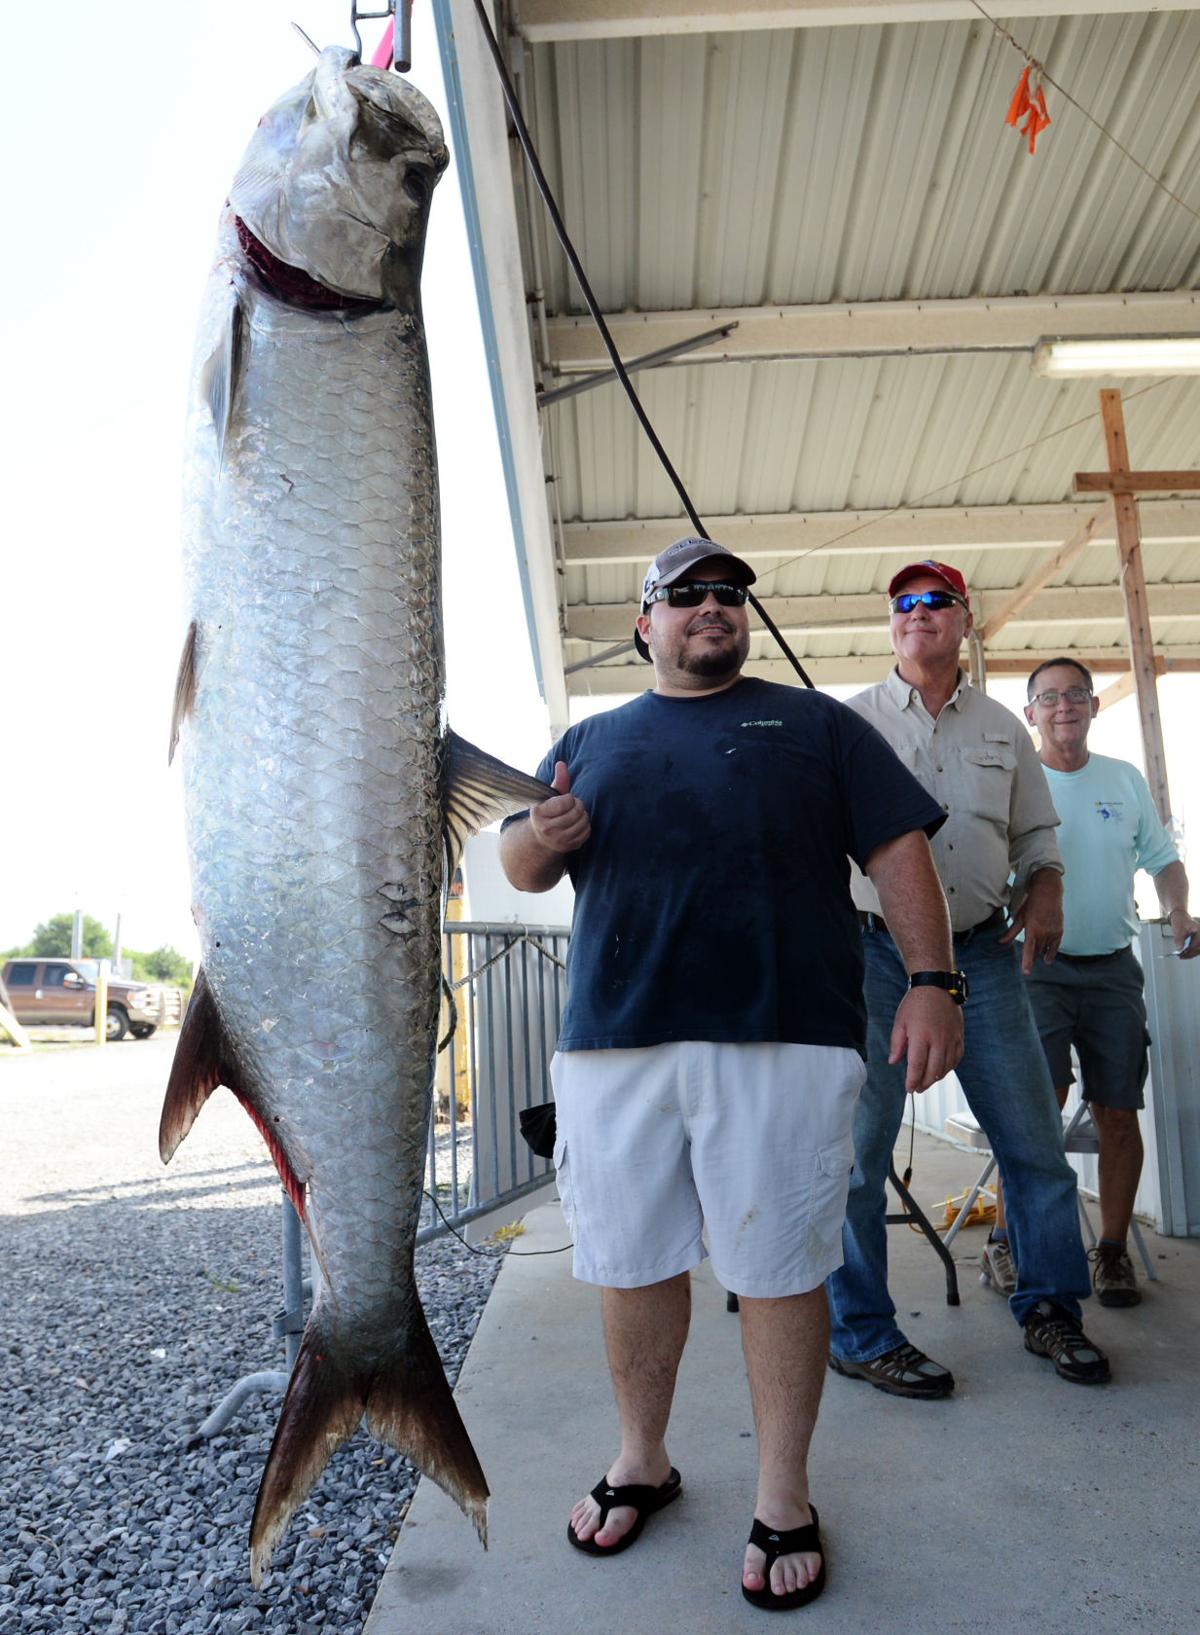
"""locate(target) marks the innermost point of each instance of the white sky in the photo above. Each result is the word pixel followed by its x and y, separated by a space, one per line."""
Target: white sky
pixel 134 132
pixel 136 129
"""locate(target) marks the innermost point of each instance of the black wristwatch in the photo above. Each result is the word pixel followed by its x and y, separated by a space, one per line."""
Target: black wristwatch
pixel 954 982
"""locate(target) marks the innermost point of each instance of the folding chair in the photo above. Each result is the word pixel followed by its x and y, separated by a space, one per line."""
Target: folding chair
pixel 1079 1135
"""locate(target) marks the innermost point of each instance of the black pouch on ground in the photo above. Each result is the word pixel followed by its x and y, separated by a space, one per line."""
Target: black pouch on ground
pixel 538 1128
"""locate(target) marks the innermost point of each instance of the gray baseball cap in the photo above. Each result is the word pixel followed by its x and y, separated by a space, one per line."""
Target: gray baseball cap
pixel 673 562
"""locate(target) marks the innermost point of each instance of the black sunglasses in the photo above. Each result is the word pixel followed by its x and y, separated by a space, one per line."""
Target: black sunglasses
pixel 908 599
pixel 696 592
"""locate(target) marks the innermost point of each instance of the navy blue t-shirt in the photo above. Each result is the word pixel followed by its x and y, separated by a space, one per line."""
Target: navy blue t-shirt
pixel 712 897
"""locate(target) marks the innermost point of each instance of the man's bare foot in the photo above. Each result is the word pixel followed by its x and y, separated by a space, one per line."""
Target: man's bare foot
pixel 585 1517
pixel 791 1572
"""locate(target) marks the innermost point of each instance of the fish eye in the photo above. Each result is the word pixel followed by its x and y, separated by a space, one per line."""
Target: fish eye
pixel 416 184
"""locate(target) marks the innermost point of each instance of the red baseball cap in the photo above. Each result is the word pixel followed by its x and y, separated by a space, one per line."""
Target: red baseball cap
pixel 940 570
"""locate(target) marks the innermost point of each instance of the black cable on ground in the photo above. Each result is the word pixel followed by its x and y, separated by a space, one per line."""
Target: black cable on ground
pixel 560 228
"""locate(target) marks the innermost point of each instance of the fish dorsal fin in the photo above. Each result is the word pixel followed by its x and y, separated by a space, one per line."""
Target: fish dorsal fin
pixel 476 790
pixel 185 689
pixel 219 374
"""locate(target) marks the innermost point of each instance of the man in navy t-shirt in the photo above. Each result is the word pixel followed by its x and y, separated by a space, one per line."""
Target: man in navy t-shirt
pixel 711 1050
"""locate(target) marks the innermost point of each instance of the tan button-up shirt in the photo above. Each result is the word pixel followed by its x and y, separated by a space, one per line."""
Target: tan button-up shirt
pixel 978 761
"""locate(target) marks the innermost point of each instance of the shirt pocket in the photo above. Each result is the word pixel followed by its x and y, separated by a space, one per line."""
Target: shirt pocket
pixel 988 777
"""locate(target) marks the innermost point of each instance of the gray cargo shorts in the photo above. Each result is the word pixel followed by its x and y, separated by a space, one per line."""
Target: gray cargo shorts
pixel 1095 1004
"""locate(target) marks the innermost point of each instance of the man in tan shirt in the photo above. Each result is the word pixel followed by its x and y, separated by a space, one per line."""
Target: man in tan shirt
pixel 976 759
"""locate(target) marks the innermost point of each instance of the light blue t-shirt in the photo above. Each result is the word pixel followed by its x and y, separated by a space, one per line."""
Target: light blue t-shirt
pixel 1110 829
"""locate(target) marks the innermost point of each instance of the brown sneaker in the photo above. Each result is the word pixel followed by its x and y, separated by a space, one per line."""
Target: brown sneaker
pixel 1112 1275
pixel 1052 1332
pixel 997 1267
pixel 902 1372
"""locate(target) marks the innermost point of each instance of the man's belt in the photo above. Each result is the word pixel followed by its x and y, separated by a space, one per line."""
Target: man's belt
pixel 996 921
pixel 1088 959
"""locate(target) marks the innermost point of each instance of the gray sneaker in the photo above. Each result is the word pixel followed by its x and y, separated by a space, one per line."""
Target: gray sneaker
pixel 997 1267
pixel 1112 1275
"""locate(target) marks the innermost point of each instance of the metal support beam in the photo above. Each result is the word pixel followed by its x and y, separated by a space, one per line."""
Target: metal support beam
pixel 769 540
pixel 648 360
pixel 863 669
pixel 622 19
pixel 978 660
pixel 875 328
pixel 616 651
pixel 865 613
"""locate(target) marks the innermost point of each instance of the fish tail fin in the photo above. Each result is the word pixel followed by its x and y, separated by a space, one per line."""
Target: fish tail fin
pixel 412 1408
pixel 321 1410
pixel 408 1404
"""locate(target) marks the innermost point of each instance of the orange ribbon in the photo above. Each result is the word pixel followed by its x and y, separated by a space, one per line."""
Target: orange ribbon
pixel 1031 108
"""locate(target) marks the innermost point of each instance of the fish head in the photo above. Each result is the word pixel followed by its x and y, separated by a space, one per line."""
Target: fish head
pixel 338 179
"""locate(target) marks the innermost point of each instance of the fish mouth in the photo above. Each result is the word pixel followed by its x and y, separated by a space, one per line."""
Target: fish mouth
pixel 292 285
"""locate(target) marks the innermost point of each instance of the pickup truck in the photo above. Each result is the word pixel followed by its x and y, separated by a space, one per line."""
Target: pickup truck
pixel 54 992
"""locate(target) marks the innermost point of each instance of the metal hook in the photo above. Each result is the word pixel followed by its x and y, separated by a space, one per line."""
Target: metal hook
pixel 400 13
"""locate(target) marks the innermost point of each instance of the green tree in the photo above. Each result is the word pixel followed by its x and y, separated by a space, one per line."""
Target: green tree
pixel 53 938
pixel 164 964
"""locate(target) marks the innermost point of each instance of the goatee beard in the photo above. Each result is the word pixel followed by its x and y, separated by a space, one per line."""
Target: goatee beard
pixel 710 665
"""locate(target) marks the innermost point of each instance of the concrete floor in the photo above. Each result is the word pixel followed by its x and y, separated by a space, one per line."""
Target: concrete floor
pixel 1022 1502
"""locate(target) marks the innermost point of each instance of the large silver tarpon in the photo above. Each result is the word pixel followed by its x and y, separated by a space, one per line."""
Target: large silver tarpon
pixel 324 794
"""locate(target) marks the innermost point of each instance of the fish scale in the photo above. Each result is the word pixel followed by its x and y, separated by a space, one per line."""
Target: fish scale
pixel 324 794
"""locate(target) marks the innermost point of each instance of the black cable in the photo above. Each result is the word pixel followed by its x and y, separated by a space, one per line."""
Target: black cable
pixel 543 187
pixel 492 1253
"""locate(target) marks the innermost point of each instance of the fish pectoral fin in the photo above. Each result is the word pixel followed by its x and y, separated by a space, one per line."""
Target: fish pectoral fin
pixel 476 790
pixel 219 373
pixel 202 1062
pixel 185 689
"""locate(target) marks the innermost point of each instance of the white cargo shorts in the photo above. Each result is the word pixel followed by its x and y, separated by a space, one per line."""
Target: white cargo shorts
pixel 750 1144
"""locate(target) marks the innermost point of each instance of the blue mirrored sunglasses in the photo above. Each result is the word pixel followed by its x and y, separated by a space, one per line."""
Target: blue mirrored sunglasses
pixel 696 592
pixel 908 599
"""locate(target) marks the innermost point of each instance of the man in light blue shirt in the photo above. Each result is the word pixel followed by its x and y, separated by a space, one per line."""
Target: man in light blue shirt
pixel 1091 996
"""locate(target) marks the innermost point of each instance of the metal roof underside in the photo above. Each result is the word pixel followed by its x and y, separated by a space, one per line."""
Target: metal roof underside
pixel 888 252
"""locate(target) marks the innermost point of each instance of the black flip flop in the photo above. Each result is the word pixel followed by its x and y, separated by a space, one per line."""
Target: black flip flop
pixel 776 1542
pixel 645 1500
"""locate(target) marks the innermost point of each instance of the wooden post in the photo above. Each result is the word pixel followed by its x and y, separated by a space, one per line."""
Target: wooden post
pixel 1137 613
pixel 1042 574
pixel 1116 691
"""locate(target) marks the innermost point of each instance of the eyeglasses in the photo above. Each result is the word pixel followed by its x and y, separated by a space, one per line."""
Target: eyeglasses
pixel 1073 695
pixel 698 591
pixel 907 600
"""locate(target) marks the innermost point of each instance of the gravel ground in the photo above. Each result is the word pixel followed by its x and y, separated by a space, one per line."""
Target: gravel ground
pixel 134 1298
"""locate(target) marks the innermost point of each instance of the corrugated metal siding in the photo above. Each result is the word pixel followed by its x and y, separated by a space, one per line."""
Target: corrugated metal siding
pixel 856 433
pixel 858 164
pixel 854 165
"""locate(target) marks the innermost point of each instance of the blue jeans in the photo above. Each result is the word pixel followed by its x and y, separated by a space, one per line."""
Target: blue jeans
pixel 1004 1075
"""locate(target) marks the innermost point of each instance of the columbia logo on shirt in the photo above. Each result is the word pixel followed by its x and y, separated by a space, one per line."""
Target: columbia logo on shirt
pixel 762 723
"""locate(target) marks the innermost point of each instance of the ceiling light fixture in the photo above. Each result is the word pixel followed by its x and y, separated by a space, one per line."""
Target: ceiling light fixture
pixel 1118 355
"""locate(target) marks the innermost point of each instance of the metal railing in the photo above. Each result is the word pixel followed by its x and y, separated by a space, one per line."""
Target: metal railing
pixel 508 987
